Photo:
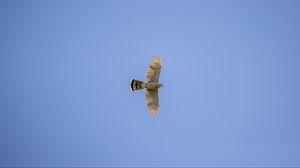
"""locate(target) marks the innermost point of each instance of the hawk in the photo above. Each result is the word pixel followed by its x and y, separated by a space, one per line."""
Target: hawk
pixel 152 85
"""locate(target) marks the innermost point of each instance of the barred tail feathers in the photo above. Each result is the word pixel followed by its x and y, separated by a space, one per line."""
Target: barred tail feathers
pixel 137 85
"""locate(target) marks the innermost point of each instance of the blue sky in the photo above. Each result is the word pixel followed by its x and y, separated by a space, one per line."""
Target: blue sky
pixel 231 77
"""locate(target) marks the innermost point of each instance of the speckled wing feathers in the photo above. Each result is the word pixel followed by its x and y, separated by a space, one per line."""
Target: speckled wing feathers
pixel 152 102
pixel 154 70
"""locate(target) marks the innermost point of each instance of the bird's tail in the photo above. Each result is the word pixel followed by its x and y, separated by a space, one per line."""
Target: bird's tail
pixel 137 85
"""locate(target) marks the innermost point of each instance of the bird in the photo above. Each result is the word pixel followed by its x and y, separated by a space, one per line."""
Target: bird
pixel 152 85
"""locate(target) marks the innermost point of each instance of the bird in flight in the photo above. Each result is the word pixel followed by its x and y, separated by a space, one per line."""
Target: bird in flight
pixel 152 85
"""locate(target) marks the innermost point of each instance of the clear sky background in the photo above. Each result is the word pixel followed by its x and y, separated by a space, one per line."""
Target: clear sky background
pixel 231 77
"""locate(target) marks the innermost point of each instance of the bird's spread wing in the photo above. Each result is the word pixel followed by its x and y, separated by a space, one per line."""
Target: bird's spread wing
pixel 152 101
pixel 154 70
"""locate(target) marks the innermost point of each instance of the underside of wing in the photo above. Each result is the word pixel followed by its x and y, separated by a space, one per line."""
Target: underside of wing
pixel 154 70
pixel 152 102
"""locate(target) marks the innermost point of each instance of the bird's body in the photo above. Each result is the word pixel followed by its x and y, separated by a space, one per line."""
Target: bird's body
pixel 137 85
pixel 152 85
